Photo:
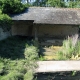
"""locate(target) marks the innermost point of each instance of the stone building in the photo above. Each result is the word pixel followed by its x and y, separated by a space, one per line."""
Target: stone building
pixel 47 22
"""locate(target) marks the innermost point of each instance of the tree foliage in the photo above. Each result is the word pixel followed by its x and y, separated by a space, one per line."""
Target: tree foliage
pixel 5 21
pixel 40 3
pixel 75 4
pixel 57 3
pixel 11 6
pixel 49 3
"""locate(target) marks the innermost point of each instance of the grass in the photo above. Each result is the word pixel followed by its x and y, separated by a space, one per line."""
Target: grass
pixel 69 51
pixel 18 58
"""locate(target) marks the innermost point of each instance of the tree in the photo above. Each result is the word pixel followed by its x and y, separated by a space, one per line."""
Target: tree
pixel 5 21
pixel 73 4
pixel 56 3
pixel 40 3
pixel 11 6
pixel 49 3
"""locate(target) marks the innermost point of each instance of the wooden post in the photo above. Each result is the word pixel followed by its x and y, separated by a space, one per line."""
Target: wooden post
pixel 36 42
pixel 30 30
pixel 36 36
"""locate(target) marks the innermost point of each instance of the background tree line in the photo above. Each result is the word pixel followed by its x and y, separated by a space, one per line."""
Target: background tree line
pixel 56 3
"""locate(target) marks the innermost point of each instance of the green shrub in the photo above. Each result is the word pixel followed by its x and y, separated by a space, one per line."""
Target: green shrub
pixel 31 53
pixel 5 21
pixel 41 58
pixel 13 75
pixel 29 75
pixel 73 4
pixel 13 67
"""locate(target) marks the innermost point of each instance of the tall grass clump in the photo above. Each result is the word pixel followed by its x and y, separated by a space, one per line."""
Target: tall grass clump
pixel 70 49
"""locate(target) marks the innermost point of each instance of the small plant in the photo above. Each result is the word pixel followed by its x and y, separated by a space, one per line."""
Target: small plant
pixel 61 56
pixel 41 58
pixel 31 53
pixel 74 73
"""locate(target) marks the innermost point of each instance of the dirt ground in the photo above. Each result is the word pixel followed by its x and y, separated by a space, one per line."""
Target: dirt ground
pixel 50 53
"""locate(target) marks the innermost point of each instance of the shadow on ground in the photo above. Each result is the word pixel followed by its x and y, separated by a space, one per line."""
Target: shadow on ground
pixel 58 76
pixel 13 47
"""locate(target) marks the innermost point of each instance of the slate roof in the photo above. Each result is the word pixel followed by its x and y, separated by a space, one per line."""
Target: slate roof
pixel 50 15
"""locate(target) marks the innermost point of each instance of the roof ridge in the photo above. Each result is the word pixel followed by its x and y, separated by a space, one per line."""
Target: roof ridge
pixel 74 9
pixel 55 8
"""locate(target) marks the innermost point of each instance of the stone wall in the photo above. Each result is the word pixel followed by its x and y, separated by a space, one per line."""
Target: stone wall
pixel 21 28
pixel 4 35
pixel 57 30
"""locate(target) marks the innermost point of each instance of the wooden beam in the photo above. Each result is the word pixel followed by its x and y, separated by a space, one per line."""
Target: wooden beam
pixel 30 30
pixel 36 34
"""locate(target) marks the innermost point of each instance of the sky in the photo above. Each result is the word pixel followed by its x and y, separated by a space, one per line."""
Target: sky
pixel 25 1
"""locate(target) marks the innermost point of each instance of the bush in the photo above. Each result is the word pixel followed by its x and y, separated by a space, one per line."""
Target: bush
pixel 29 75
pixel 73 4
pixel 31 53
pixel 22 68
pixel 56 3
pixel 5 21
pixel 14 75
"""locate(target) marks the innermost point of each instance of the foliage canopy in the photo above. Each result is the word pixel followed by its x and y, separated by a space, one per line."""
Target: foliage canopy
pixel 11 6
pixel 5 21
pixel 57 3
